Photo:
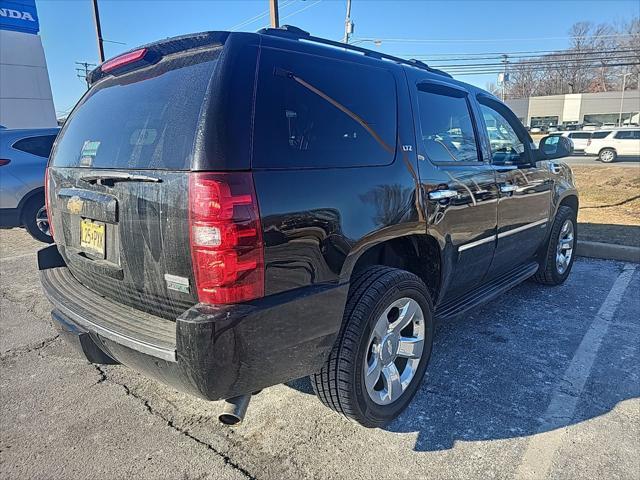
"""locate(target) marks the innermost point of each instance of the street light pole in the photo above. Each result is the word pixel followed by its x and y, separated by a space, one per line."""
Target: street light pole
pixel 96 18
pixel 624 84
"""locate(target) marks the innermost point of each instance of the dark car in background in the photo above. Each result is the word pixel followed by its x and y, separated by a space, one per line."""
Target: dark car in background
pixel 23 160
pixel 236 210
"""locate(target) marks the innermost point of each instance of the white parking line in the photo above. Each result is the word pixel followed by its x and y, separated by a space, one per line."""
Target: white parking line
pixel 538 456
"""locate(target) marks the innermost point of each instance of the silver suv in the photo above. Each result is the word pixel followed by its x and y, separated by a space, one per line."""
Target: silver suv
pixel 23 160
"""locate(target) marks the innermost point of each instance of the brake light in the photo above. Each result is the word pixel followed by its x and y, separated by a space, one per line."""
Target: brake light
pixel 4 161
pixel 46 200
pixel 123 60
pixel 226 237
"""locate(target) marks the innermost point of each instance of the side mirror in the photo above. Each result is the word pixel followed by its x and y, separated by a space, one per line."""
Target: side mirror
pixel 555 146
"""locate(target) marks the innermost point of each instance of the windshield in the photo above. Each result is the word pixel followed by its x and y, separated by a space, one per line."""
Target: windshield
pixel 146 119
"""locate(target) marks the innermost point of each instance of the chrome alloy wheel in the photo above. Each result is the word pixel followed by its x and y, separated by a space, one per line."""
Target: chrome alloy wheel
pixel 394 351
pixel 42 221
pixel 607 156
pixel 564 251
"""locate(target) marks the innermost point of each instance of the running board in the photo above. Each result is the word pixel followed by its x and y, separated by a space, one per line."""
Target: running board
pixel 452 308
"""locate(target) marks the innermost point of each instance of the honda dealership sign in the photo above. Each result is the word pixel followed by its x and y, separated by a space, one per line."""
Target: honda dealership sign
pixel 25 91
pixel 19 16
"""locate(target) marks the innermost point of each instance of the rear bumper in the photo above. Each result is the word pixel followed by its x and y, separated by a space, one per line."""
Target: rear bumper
pixel 208 351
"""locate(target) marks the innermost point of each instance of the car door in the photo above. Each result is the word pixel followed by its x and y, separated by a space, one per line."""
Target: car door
pixel 627 142
pixel 580 139
pixel 524 187
pixel 460 188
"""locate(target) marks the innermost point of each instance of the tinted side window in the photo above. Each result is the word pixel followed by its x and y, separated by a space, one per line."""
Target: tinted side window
pixel 597 135
pixel 583 135
pixel 446 124
pixel 628 135
pixel 506 146
pixel 40 145
pixel 319 112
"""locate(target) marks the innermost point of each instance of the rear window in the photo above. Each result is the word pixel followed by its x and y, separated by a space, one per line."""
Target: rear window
pixel 39 146
pixel 316 112
pixel 597 135
pixel 146 119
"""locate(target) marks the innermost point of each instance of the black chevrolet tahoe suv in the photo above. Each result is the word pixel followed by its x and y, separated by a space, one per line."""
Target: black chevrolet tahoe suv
pixel 234 210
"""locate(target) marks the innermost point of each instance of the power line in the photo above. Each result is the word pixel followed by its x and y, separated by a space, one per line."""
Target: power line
pixel 255 18
pixel 511 54
pixel 541 68
pixel 568 62
pixel 487 40
pixel 557 54
pixel 301 10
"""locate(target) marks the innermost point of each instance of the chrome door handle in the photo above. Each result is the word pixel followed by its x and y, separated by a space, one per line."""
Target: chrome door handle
pixel 442 194
pixel 508 188
pixel 555 168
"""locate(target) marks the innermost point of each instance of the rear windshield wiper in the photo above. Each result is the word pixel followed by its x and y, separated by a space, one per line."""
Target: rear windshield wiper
pixel 111 178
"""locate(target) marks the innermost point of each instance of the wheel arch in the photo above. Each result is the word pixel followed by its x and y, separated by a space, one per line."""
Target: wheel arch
pixel 419 254
pixel 27 198
pixel 570 200
pixel 607 148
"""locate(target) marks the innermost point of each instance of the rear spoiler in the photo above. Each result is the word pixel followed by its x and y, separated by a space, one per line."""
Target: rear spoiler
pixel 153 52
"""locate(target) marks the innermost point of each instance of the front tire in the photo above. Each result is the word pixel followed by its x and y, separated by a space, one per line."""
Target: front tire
pixel 561 248
pixel 607 155
pixel 380 356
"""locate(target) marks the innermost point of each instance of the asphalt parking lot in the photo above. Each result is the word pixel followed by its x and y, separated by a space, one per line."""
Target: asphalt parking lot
pixel 541 383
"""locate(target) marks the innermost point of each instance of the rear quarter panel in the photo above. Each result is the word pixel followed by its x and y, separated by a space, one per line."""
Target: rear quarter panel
pixel 19 178
pixel 317 221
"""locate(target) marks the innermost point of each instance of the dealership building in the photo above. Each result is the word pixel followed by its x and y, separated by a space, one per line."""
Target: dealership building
pixel 584 108
pixel 25 91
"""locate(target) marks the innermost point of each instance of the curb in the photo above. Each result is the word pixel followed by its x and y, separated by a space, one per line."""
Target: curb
pixel 608 251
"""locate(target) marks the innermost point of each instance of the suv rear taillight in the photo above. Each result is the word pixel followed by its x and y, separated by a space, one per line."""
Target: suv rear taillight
pixel 226 237
pixel 46 200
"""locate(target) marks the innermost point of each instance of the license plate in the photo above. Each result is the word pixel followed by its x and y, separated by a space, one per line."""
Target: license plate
pixel 92 236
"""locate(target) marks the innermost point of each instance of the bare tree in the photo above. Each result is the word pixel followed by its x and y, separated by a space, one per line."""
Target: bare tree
pixel 591 63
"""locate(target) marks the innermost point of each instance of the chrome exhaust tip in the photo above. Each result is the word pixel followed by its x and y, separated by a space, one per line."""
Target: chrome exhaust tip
pixel 234 410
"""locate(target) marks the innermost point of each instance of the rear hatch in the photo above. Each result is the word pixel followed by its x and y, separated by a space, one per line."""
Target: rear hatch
pixel 118 181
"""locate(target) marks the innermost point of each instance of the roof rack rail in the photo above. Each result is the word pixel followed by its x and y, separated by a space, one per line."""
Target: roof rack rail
pixel 289 31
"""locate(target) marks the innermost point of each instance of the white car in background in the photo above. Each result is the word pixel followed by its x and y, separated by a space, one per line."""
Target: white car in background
pixel 580 139
pixel 619 142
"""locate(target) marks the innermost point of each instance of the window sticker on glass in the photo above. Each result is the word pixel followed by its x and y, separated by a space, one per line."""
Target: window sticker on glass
pixel 88 152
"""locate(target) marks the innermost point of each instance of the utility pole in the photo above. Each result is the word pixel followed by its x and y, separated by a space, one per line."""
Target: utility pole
pixel 624 85
pixel 96 18
pixel 348 24
pixel 273 13
pixel 82 71
pixel 505 61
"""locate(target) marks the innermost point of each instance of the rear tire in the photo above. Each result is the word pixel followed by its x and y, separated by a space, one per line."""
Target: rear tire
pixel 387 334
pixel 33 220
pixel 607 155
pixel 561 249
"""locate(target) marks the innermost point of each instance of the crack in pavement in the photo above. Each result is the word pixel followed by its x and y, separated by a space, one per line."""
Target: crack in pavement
pixel 226 459
pixel 32 347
